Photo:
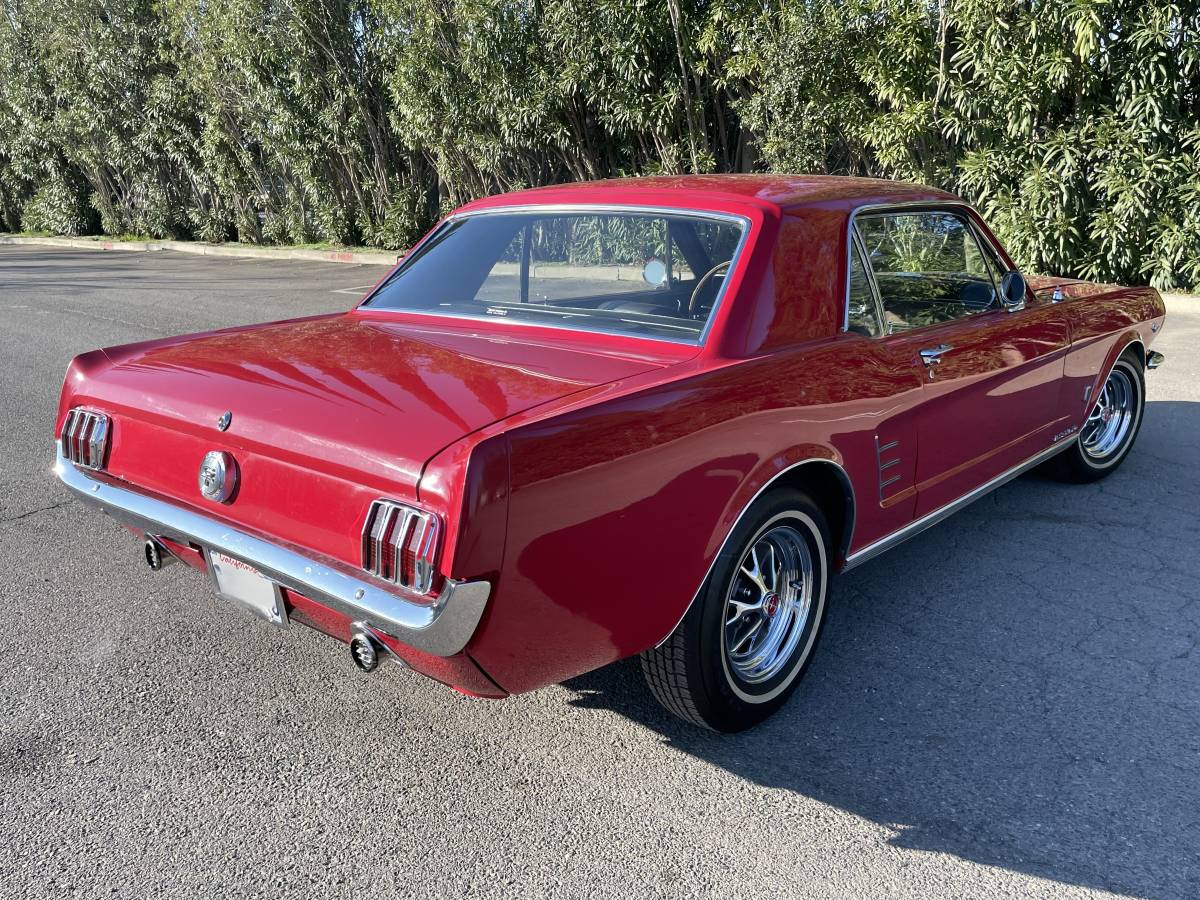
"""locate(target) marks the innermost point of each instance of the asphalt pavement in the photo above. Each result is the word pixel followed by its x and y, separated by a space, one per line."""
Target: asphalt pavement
pixel 1007 705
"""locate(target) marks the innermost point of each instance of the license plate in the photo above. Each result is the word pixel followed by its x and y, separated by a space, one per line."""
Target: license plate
pixel 241 583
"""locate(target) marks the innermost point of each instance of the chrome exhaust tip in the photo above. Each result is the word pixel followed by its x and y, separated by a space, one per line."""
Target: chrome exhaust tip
pixel 364 652
pixel 368 649
pixel 158 557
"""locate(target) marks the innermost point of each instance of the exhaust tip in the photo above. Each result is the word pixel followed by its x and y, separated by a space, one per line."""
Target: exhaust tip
pixel 158 557
pixel 364 652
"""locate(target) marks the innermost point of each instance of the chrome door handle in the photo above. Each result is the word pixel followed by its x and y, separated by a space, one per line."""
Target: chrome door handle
pixel 931 356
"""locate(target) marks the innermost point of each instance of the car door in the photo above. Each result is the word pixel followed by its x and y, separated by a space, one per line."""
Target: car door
pixel 990 397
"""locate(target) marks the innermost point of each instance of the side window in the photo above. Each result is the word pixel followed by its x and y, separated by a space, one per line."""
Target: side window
pixel 928 266
pixel 861 315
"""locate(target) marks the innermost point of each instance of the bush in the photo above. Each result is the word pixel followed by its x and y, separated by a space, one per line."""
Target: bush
pixel 59 206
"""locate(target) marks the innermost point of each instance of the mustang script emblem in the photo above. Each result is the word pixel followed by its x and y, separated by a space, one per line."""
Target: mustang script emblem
pixel 218 476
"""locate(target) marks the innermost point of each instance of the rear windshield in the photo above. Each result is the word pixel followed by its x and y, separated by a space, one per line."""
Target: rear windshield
pixel 640 273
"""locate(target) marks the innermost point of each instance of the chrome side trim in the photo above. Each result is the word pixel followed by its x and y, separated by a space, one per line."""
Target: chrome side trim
pixel 914 528
pixel 882 466
pixel 441 626
pixel 551 208
pixel 844 540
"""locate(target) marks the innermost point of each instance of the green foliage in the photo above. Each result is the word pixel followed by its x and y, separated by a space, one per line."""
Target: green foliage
pixel 58 207
pixel 1073 124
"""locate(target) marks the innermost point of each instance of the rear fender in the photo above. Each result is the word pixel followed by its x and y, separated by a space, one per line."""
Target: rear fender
pixel 790 467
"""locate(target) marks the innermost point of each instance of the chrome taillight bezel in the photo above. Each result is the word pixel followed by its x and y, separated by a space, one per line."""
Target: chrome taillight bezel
pixel 390 530
pixel 84 438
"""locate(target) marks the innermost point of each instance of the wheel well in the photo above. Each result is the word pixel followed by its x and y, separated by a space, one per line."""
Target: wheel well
pixel 1137 350
pixel 829 486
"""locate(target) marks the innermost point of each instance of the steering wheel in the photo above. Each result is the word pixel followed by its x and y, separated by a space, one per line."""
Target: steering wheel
pixel 704 280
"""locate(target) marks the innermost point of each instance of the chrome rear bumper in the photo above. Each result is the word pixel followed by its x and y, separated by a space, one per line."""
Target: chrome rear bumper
pixel 441 626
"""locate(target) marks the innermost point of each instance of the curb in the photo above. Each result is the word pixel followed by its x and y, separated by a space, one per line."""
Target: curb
pixel 352 257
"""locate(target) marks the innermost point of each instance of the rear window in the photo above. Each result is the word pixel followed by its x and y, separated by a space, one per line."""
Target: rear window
pixel 640 273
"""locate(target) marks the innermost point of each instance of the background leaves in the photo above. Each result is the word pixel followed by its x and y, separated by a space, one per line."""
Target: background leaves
pixel 1073 124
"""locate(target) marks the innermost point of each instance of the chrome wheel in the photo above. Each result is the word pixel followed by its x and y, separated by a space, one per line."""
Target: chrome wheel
pixel 768 604
pixel 1113 417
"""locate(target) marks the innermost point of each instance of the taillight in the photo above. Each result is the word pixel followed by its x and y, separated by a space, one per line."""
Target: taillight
pixel 400 544
pixel 84 438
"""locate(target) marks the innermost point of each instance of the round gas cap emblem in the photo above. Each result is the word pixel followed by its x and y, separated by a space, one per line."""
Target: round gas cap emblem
pixel 223 422
pixel 218 476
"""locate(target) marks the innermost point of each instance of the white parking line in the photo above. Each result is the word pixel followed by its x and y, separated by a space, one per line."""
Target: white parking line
pixel 361 289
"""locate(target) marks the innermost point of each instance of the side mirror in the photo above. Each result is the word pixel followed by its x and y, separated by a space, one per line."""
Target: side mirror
pixel 654 273
pixel 1012 291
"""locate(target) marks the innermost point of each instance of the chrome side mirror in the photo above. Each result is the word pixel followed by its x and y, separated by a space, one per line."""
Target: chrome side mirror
pixel 1012 291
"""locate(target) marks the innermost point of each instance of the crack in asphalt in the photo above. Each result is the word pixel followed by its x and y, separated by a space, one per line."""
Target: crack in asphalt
pixel 33 512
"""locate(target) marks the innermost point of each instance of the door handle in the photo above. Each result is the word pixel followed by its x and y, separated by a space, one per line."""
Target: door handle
pixel 931 356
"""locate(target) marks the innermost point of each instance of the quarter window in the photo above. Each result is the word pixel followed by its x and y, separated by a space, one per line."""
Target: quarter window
pixel 928 267
pixel 862 317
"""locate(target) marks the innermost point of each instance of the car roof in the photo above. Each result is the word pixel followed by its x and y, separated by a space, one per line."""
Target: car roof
pixel 782 191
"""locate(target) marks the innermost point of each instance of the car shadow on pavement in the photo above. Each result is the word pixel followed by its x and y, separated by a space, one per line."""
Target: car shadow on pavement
pixel 1017 686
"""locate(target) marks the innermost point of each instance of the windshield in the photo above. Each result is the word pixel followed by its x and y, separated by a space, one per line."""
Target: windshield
pixel 650 274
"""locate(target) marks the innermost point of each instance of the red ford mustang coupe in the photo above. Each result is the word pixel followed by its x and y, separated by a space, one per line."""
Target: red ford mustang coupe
pixel 579 423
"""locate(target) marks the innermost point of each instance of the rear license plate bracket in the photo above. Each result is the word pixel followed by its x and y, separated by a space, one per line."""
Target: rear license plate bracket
pixel 244 585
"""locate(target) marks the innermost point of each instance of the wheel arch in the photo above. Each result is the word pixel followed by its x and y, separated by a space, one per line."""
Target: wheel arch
pixel 828 483
pixel 1130 340
pixel 817 472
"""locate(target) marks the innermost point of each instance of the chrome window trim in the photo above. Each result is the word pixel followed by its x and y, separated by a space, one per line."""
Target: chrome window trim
pixel 744 222
pixel 844 540
pixel 857 241
pixel 955 207
pixel 441 626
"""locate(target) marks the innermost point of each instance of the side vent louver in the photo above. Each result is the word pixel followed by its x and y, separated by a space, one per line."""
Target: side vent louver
pixel 400 544
pixel 85 438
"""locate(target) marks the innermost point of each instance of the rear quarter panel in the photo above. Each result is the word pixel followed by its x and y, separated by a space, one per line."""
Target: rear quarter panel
pixel 617 509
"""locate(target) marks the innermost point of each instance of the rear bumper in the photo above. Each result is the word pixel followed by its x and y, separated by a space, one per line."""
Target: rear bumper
pixel 439 627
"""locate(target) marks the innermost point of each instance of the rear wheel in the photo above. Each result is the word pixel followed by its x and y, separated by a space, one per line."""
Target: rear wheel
pixel 745 643
pixel 1111 427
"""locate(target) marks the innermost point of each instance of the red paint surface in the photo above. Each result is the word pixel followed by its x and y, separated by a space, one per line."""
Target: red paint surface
pixel 593 478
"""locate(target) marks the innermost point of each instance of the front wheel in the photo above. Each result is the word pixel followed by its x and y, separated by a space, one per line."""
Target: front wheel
pixel 1110 429
pixel 744 644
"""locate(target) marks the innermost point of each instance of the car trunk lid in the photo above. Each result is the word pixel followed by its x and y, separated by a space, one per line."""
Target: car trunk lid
pixel 327 413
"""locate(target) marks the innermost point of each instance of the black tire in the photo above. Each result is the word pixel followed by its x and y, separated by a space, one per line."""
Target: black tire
pixel 1082 463
pixel 694 674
